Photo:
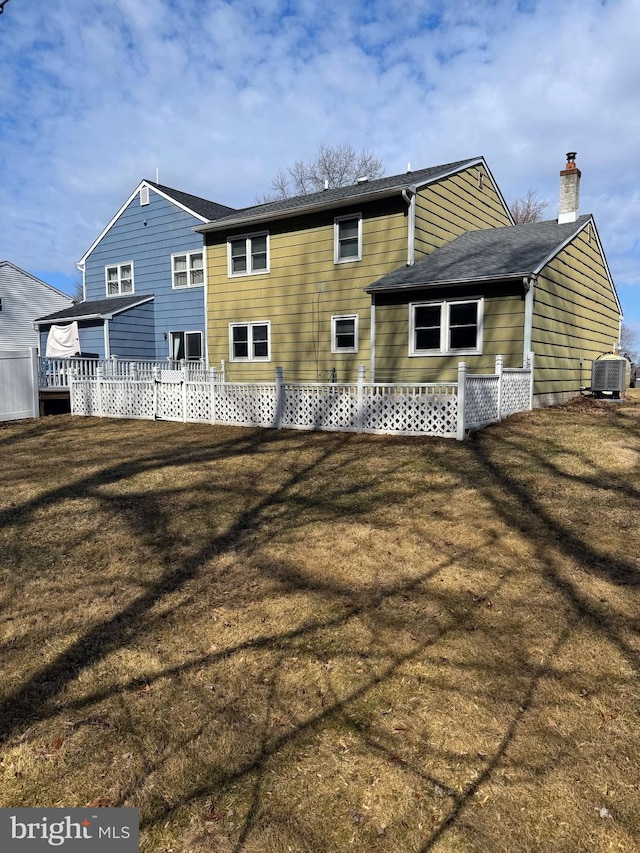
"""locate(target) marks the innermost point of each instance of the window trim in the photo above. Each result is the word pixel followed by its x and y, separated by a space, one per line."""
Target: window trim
pixel 334 333
pixel 250 357
pixel 185 332
pixel 248 238
pixel 445 327
pixel 336 238
pixel 188 256
pixel 119 268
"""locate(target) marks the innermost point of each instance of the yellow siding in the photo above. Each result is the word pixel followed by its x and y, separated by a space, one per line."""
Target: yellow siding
pixel 575 318
pixel 448 208
pixel 503 334
pixel 302 291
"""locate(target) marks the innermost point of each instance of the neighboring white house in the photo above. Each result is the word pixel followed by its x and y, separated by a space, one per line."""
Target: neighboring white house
pixel 24 298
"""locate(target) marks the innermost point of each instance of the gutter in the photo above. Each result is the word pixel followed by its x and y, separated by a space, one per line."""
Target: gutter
pixel 409 195
pixel 447 282
pixel 529 283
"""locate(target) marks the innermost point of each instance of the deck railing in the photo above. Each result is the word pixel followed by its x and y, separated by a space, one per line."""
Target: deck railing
pixel 55 372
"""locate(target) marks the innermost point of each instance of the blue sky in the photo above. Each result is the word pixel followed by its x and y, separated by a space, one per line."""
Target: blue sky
pixel 218 96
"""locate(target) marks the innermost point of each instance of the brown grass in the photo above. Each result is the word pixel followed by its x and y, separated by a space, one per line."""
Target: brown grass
pixel 281 641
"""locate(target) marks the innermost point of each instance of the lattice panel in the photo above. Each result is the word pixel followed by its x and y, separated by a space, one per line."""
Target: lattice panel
pixel 123 398
pixel 84 400
pixel 516 388
pixel 411 411
pixel 246 405
pixel 320 407
pixel 481 400
pixel 171 375
pixel 199 401
pixel 169 406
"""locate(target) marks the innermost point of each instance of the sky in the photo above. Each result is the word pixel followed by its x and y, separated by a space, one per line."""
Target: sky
pixel 216 96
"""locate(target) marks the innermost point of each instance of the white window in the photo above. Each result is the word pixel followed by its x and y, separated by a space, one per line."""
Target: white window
pixel 187 270
pixel 441 328
pixel 185 345
pixel 250 341
pixel 248 254
pixel 347 238
pixel 119 279
pixel 344 333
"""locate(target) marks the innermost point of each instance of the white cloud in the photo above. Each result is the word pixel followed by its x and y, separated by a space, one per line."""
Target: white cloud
pixel 218 95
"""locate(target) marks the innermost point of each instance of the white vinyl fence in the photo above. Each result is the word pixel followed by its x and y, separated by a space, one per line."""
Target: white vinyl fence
pixel 19 385
pixel 55 372
pixel 447 410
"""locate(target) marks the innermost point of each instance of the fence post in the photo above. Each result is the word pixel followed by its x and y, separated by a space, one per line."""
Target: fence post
pixel 185 374
pixel 360 402
pixel 213 379
pixel 99 389
pixel 531 364
pixel 156 380
pixel 279 397
pixel 499 366
pixel 35 381
pixel 462 382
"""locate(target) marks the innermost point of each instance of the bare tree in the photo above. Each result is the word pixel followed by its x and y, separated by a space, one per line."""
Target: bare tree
pixel 528 208
pixel 630 342
pixel 333 166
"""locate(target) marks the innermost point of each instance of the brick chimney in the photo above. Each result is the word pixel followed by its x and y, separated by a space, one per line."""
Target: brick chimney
pixel 569 190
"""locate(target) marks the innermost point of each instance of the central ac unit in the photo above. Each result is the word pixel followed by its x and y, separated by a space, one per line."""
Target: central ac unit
pixel 609 375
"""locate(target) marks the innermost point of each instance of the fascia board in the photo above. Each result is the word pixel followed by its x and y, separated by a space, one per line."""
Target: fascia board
pixel 289 213
pixel 448 282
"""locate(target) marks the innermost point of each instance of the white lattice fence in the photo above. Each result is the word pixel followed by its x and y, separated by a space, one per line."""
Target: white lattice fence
pixel 411 409
pixel 326 407
pixel 516 391
pixel 357 407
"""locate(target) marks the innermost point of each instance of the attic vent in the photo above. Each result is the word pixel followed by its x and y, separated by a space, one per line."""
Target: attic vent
pixel 362 180
pixel 144 196
pixel 609 376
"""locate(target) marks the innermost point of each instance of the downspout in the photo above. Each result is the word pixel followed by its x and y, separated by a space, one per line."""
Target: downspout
pixel 82 268
pixel 205 352
pixel 529 287
pixel 410 197
pixel 107 348
pixel 372 338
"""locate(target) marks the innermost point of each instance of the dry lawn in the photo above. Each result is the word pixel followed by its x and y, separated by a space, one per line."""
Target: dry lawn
pixel 286 641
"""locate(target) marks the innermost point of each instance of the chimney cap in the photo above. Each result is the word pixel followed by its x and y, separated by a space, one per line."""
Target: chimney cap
pixel 571 159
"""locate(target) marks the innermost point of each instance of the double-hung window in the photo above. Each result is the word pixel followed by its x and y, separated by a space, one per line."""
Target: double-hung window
pixel 344 333
pixel 185 345
pixel 446 327
pixel 119 279
pixel 187 270
pixel 248 254
pixel 249 341
pixel 347 238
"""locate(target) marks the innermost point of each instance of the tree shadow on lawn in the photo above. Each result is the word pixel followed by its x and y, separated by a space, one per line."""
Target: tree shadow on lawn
pixel 273 511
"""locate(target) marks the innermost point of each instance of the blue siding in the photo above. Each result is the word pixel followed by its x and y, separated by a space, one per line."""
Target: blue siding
pixel 131 334
pixel 167 232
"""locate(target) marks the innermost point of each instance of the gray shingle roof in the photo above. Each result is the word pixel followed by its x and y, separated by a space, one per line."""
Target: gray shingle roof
pixel 202 206
pixel 493 253
pixel 338 196
pixel 99 308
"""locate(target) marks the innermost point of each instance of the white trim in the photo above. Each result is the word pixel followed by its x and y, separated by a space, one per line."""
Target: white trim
pixel 337 221
pixel 334 347
pixel 445 327
pixel 107 345
pixel 205 305
pixel 115 218
pixel 411 243
pixel 250 356
pixel 188 270
pixel 248 238
pixel 120 291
